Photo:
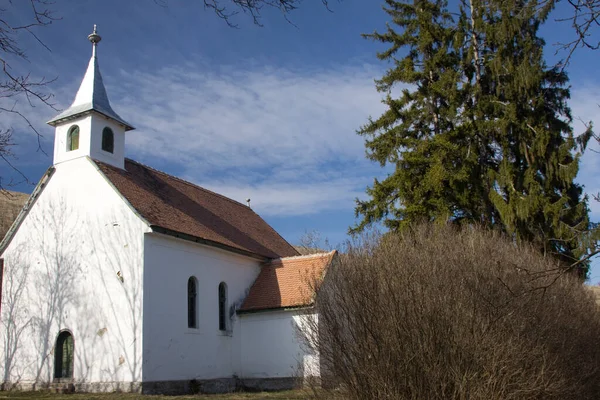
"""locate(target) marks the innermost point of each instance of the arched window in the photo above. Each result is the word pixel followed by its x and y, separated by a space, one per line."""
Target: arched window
pixel 63 356
pixel 73 138
pixel 108 140
pixel 192 296
pixel 222 306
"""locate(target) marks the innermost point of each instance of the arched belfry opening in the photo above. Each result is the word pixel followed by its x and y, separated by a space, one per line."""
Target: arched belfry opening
pixel 63 356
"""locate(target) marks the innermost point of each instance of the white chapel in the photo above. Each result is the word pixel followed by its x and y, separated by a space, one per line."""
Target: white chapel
pixel 117 276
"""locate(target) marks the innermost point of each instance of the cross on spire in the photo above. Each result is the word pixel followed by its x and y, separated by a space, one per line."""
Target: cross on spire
pixel 95 39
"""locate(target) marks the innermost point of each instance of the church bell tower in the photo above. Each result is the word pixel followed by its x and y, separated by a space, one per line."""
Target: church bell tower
pixel 90 127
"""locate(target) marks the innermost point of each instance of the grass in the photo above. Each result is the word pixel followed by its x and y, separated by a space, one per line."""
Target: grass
pixel 286 395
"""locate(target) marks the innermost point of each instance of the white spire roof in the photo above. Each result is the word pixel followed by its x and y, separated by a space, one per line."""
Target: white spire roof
pixel 91 95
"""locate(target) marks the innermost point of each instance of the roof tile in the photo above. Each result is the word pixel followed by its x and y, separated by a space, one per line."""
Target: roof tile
pixel 180 206
pixel 286 282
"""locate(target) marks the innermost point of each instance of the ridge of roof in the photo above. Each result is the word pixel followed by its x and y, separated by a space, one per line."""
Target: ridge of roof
pixel 188 183
pixel 207 191
pixel 286 285
pixel 183 209
pixel 300 257
pixel 39 188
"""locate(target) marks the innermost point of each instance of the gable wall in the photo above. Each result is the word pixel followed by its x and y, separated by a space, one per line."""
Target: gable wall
pixel 172 351
pixel 61 273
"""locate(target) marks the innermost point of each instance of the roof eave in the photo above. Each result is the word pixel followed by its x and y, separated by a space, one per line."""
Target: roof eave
pixel 196 239
pixel 66 117
pixel 25 209
pixel 285 308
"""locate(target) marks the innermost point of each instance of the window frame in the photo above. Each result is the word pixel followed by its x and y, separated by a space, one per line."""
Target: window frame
pixel 105 133
pixel 59 356
pixel 74 129
pixel 192 303
pixel 222 299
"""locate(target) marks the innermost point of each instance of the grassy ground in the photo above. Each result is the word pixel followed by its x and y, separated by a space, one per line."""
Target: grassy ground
pixel 287 395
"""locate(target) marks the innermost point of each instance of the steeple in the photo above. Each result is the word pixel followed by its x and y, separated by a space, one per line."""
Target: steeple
pixel 91 95
pixel 90 127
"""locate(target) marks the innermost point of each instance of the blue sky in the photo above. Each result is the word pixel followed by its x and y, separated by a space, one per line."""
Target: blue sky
pixel 267 112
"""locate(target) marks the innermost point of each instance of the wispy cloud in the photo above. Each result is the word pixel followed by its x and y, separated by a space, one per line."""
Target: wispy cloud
pixel 286 138
pixel 282 137
pixel 295 198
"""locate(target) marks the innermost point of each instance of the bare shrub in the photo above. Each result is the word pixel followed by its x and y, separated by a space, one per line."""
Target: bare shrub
pixel 311 242
pixel 442 313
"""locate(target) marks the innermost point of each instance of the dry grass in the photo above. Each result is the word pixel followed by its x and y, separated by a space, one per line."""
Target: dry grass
pixel 286 395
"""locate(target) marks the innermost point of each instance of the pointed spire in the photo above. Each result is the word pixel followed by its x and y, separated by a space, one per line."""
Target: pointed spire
pixel 92 93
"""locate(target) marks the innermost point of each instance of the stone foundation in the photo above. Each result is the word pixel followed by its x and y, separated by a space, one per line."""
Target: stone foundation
pixel 268 384
pixel 222 385
pixel 71 387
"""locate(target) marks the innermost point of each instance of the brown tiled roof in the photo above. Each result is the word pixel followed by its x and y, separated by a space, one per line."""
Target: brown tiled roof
pixel 286 282
pixel 178 206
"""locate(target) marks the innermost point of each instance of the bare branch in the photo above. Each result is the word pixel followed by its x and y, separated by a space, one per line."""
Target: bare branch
pixel 584 21
pixel 19 86
pixel 226 9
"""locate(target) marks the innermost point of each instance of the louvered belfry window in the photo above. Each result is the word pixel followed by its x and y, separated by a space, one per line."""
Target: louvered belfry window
pixel 108 140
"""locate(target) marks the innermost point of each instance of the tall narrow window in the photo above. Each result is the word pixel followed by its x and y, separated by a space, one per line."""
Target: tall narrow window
pixel 108 140
pixel 192 295
pixel 73 138
pixel 63 356
pixel 222 306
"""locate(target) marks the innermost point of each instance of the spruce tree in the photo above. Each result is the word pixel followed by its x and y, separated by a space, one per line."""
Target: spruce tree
pixel 418 132
pixel 534 167
pixel 482 131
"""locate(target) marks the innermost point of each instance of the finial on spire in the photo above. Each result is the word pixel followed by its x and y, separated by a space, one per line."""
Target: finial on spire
pixel 94 37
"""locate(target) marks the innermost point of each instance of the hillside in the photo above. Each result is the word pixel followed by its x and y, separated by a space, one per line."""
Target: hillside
pixel 10 205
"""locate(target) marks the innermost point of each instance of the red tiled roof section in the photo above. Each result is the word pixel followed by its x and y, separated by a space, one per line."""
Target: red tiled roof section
pixel 180 206
pixel 286 282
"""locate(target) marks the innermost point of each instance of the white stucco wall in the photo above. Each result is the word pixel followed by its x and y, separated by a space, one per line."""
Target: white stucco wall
pixel 272 345
pixel 117 157
pixel 172 351
pixel 61 273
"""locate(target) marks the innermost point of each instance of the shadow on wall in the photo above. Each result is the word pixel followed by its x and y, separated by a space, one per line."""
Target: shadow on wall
pixel 118 250
pixel 64 275
pixel 40 282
